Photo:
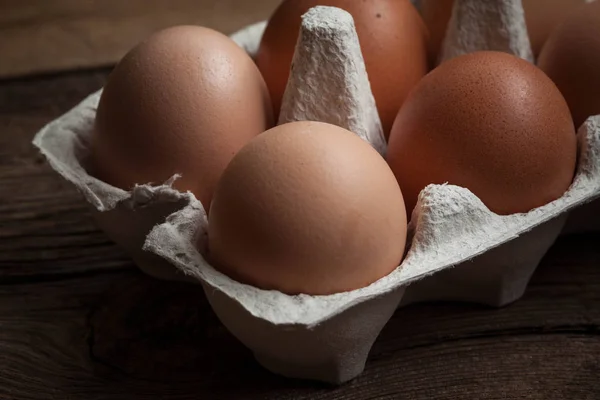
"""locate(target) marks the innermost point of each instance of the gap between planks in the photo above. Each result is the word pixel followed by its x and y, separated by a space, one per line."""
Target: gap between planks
pixel 46 36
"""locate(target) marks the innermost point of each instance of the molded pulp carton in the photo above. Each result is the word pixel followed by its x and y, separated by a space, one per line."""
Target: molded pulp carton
pixel 459 250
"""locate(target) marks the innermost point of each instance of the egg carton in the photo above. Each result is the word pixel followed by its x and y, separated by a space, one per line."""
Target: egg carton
pixel 125 216
pixel 459 250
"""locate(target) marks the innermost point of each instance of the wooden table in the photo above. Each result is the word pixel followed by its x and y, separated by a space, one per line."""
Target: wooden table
pixel 78 321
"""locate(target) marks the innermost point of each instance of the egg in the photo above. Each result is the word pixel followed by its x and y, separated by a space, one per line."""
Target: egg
pixel 392 38
pixel 571 58
pixel 307 207
pixel 492 123
pixel 183 101
pixel 541 16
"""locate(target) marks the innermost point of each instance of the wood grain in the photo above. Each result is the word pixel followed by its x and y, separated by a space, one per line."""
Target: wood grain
pixel 40 213
pixel 122 335
pixel 56 35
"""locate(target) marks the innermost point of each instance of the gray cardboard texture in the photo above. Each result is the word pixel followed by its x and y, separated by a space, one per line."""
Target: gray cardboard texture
pixel 452 227
pixel 328 31
pixel 495 278
pixel 126 217
pixel 487 25
pixel 301 336
pixel 249 37
pixel 458 250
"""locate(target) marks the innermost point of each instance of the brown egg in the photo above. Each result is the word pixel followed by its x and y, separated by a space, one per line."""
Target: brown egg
pixel 393 43
pixel 183 101
pixel 436 15
pixel 542 16
pixel 490 122
pixel 571 58
pixel 307 207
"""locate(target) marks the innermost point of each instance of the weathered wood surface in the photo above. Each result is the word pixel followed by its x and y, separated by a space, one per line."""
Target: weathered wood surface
pixel 54 35
pixel 78 321
pixel 40 214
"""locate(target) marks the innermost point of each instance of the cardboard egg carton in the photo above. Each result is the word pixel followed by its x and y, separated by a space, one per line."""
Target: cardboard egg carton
pixel 459 250
pixel 125 216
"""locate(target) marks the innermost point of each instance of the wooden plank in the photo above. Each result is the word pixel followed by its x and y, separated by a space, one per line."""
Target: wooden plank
pixel 126 336
pixel 56 35
pixel 45 226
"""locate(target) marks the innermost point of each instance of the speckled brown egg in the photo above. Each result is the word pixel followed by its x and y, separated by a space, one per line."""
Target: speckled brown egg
pixel 392 38
pixel 541 16
pixel 307 207
pixel 490 122
pixel 571 58
pixel 184 101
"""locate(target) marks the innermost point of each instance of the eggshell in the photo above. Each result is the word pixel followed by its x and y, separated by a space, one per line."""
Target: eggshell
pixel 542 17
pixel 184 101
pixel 393 41
pixel 488 258
pixel 571 58
pixel 490 122
pixel 307 207
pixel 436 15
